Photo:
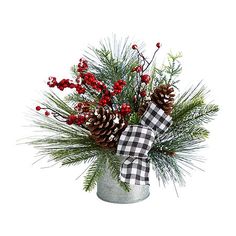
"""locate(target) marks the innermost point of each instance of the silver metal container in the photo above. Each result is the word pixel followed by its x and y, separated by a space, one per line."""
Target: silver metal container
pixel 109 190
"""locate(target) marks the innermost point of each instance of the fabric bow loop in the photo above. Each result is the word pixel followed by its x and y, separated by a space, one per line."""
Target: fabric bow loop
pixel 136 141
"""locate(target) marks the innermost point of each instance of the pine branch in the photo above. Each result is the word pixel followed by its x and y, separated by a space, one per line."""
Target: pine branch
pixel 49 124
pixel 95 171
pixel 182 109
pixel 197 116
pixel 112 61
pixel 114 167
pixel 194 92
pixel 167 73
pixel 184 137
pixel 76 159
pixel 56 103
pixel 167 169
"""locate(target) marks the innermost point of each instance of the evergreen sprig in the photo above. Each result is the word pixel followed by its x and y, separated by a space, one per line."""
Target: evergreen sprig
pixel 72 145
pixel 167 73
pixel 95 172
pixel 185 136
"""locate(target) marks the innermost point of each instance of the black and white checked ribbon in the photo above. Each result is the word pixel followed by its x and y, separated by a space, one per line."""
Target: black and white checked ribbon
pixel 136 141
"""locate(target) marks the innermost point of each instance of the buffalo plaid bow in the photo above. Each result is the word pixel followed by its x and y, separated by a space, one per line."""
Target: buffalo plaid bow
pixel 136 141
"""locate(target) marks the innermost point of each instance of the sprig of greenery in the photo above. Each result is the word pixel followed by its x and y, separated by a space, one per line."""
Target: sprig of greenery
pixel 167 73
pixel 114 165
pixel 185 136
pixel 112 61
pixel 94 173
pixel 72 145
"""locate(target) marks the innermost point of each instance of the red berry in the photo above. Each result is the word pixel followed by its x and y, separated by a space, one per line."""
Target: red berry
pixel 81 120
pixel 118 86
pixel 38 108
pixel 83 65
pixel 158 45
pixel 145 79
pixel 134 46
pixel 125 109
pixel 80 89
pixel 52 82
pixel 71 119
pixel 143 93
pixel 47 113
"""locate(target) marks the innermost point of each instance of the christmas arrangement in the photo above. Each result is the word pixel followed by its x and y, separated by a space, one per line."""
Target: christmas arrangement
pixel 120 112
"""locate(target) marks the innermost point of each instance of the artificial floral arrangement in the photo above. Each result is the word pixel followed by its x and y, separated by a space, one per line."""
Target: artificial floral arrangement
pixel 120 104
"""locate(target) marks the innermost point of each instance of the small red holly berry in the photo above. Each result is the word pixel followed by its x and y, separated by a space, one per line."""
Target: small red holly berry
pixel 47 113
pixel 143 93
pixel 83 65
pixel 134 46
pixel 158 45
pixel 80 89
pixel 81 120
pixel 145 79
pixel 125 109
pixel 38 108
pixel 52 82
pixel 71 119
pixel 118 86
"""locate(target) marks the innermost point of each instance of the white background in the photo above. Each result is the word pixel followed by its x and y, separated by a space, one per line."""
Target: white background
pixel 42 38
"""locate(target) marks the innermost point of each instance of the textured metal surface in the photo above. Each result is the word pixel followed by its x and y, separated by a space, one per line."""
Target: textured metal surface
pixel 109 190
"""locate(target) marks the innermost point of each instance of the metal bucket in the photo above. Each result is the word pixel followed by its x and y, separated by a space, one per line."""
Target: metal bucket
pixel 109 190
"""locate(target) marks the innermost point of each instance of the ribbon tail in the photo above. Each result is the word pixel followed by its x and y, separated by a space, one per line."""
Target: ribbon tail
pixel 135 171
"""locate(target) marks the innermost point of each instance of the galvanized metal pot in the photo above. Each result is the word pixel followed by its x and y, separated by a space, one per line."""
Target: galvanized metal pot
pixel 109 190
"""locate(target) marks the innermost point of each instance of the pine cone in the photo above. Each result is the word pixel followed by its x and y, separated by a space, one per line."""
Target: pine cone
pixel 106 127
pixel 163 97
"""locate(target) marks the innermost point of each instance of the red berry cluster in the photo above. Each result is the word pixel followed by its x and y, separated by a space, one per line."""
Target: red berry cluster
pixel 64 83
pixel 125 109
pixel 145 78
pixel 80 89
pixel 83 107
pixel 82 66
pixel 76 119
pixel 105 99
pixel 86 79
pixel 90 79
pixel 107 95
pixel 118 86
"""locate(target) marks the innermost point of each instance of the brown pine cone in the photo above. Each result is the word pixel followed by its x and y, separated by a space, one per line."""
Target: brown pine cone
pixel 163 97
pixel 106 127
